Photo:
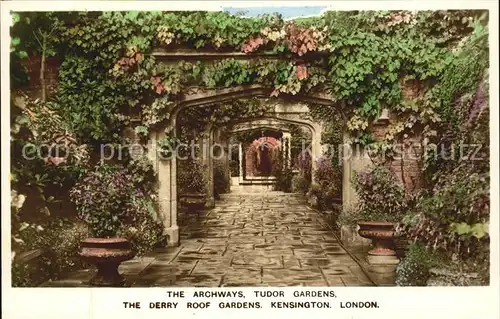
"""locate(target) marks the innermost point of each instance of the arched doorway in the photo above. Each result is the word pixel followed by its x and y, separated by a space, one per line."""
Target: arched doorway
pixel 294 110
pixel 264 161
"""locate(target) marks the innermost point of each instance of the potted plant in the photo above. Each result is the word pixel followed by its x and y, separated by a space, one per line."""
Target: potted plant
pixel 101 200
pixel 192 185
pixel 381 207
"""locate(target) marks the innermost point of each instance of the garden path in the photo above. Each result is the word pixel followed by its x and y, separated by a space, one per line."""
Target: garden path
pixel 253 237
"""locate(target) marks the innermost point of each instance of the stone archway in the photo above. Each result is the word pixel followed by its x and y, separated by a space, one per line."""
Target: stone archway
pixel 285 109
pixel 275 122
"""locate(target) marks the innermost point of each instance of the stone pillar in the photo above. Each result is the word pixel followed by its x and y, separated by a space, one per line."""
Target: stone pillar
pixel 283 148
pixel 287 149
pixel 208 162
pixel 289 152
pixel 225 163
pixel 316 152
pixel 240 158
pixel 354 158
pixel 167 189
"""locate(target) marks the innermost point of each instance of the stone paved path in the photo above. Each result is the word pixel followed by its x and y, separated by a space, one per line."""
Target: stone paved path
pixel 253 237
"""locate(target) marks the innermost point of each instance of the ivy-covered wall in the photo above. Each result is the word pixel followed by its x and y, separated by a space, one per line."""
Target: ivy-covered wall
pixel 108 67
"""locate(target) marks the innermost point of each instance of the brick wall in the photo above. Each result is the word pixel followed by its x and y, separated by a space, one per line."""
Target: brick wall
pixel 407 166
pixel 32 65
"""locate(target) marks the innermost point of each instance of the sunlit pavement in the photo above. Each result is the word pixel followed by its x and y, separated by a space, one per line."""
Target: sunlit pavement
pixel 253 237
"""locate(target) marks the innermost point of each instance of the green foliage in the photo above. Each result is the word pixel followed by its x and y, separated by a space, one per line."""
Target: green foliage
pixel 101 199
pixel 191 177
pixel 32 33
pixel 328 176
pixel 413 270
pixel 327 188
pixel 168 146
pixel 283 174
pixel 59 239
pixel 46 161
pixel 365 59
pixel 145 233
pixel 142 173
pixel 212 29
pixel 227 73
pixel 300 184
pixel 108 73
pixel 457 212
pixel 381 196
pixel 452 215
pixel 112 204
pixel 221 182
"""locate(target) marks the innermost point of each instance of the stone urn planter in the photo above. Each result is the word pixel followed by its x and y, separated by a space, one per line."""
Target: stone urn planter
pixel 382 257
pixel 193 201
pixel 106 254
pixel 382 235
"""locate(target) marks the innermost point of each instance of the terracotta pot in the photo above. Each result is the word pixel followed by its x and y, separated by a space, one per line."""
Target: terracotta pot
pixel 106 254
pixel 193 201
pixel 382 235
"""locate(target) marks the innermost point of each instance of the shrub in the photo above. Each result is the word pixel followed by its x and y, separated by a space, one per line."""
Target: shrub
pixel 102 198
pixel 111 205
pixel 314 195
pixel 221 182
pixel 59 239
pixel 413 270
pixel 300 184
pixel 283 175
pixel 325 173
pixel 381 196
pixel 191 177
pixel 303 163
pixel 284 180
pixel 452 215
pixel 328 186
pixel 42 216
pixel 144 233
pixel 142 173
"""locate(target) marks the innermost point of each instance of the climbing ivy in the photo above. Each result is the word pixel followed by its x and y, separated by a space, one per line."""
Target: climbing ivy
pixel 109 77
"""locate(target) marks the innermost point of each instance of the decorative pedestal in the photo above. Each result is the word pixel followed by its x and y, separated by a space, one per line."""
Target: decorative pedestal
pixel 382 236
pixel 106 254
pixel 382 257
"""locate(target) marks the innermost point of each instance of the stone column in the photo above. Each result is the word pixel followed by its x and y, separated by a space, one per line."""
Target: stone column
pixel 283 148
pixel 354 158
pixel 316 152
pixel 240 158
pixel 166 170
pixel 289 152
pixel 225 163
pixel 208 162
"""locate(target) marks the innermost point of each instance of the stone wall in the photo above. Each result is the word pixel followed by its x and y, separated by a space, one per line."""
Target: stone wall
pixel 406 166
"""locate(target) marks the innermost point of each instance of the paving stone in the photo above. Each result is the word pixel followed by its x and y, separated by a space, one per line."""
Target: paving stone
pixel 291 274
pixel 334 281
pixel 336 270
pixel 135 266
pixel 315 262
pixel 253 237
pixel 254 260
